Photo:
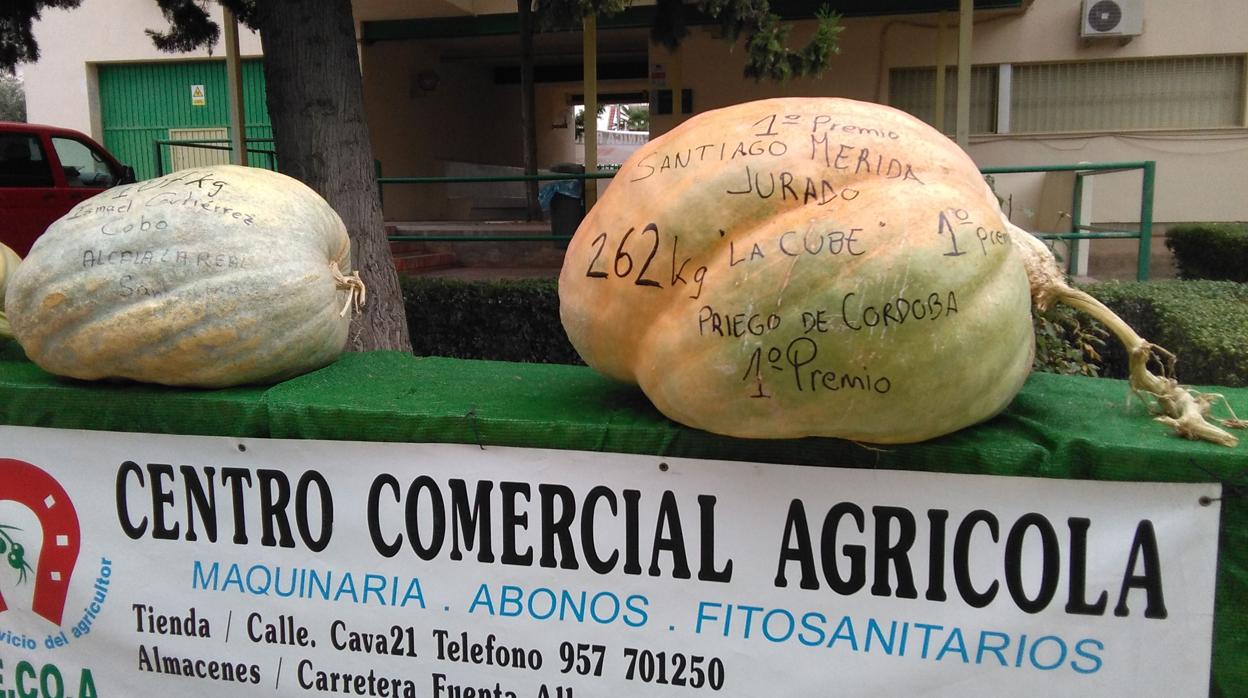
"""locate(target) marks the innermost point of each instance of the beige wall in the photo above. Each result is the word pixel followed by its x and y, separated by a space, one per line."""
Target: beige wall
pixel 466 118
pixel 1200 173
pixel 1047 31
pixel 61 88
pixel 414 129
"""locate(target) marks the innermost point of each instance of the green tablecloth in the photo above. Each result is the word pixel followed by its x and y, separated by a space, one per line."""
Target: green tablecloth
pixel 1058 426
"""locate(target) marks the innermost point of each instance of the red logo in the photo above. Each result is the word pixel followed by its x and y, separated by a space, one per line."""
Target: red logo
pixel 33 488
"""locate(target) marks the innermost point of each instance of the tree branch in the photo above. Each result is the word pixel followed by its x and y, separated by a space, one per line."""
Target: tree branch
pixel 190 27
pixel 17 40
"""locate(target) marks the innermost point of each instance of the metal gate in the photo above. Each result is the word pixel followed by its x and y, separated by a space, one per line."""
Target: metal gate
pixel 145 102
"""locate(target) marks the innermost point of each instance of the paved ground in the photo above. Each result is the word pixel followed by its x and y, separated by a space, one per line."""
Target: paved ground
pixel 477 256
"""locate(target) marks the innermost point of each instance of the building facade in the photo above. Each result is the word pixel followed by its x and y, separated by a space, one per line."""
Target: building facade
pixel 442 91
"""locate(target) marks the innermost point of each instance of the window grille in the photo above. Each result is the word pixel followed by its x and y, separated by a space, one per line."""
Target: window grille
pixel 914 89
pixel 1182 92
pixel 1121 95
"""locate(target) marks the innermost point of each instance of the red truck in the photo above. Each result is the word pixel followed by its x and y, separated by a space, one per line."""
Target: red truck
pixel 44 172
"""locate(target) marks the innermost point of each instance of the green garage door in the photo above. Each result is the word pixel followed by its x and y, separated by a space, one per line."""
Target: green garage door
pixel 144 102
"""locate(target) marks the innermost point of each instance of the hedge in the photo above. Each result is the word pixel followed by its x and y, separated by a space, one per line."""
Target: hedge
pixel 1216 251
pixel 1204 323
pixel 511 320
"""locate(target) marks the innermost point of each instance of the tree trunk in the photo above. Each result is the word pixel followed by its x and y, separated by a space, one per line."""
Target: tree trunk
pixel 316 103
pixel 528 117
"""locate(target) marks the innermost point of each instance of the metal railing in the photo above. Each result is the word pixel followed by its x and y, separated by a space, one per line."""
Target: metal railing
pixel 158 155
pixel 1082 231
pixel 494 179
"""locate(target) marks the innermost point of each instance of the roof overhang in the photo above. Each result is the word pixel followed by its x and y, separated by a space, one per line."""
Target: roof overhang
pixel 445 23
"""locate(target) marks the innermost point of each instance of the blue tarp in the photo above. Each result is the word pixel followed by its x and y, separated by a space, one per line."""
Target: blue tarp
pixel 568 187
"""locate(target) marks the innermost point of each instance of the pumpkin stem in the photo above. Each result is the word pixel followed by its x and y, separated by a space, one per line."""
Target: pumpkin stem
pixel 353 285
pixel 1183 409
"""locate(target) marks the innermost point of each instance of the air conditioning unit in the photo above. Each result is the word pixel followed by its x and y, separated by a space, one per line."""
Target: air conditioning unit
pixel 1115 19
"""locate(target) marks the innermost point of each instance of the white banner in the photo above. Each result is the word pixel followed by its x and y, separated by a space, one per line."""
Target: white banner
pixel 142 565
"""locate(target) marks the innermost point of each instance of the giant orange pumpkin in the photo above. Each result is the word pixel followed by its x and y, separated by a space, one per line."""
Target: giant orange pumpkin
pixel 808 267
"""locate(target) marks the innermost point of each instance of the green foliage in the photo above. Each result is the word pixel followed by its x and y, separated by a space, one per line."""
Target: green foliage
pixel 519 321
pixel 769 57
pixel 1067 342
pixel 12 99
pixel 1210 250
pixel 1204 323
pixel 514 320
pixel 566 15
pixel 17 38
pixel 637 117
pixel 669 24
pixel 580 119
pixel 190 26
pixel 15 553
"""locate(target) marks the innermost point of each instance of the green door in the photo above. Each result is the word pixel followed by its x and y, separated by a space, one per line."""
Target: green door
pixel 141 103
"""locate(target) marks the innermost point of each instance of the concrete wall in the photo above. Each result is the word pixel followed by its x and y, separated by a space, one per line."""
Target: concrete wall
pixel 61 88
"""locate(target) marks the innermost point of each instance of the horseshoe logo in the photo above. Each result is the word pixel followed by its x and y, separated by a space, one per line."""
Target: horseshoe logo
pixel 33 488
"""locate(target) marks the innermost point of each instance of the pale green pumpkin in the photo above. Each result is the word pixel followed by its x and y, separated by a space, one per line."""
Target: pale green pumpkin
pixel 207 277
pixel 807 267
pixel 8 264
